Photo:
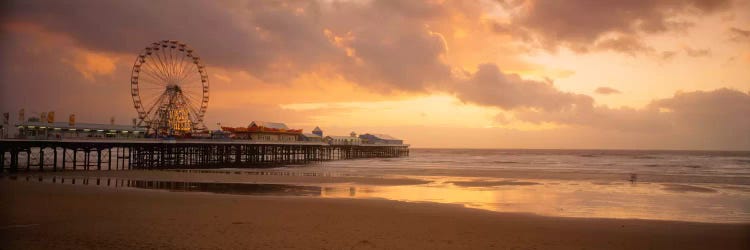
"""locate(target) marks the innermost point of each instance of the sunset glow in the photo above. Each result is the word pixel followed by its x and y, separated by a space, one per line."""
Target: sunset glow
pixel 477 74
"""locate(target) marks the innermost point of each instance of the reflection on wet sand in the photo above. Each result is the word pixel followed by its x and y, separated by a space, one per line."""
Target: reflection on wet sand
pixel 569 199
pixel 485 183
pixel 228 188
pixel 180 186
pixel 559 198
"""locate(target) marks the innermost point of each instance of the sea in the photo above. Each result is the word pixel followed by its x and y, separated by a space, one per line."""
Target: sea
pixel 700 186
pixel 717 167
pixel 697 186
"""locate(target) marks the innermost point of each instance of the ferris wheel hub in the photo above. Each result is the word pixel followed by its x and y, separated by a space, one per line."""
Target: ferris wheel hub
pixel 173 88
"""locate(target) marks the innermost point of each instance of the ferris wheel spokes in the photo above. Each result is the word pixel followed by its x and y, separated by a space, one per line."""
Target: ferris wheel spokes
pixel 169 86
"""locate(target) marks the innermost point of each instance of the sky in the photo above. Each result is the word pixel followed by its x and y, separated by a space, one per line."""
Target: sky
pixel 610 74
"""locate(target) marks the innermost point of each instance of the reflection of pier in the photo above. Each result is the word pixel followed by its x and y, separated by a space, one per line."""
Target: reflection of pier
pixel 180 186
pixel 157 154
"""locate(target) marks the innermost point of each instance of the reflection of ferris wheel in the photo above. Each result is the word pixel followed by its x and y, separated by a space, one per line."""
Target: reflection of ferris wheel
pixel 169 85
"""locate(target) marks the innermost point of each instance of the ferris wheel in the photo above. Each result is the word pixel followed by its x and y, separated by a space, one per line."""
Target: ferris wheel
pixel 169 86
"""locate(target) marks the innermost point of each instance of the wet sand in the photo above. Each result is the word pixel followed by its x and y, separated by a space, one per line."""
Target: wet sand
pixel 557 198
pixel 39 215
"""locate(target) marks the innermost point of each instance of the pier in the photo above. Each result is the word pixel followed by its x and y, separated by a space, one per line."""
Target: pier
pixel 60 155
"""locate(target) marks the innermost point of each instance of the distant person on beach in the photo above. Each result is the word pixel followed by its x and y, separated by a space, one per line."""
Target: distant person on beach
pixel 633 178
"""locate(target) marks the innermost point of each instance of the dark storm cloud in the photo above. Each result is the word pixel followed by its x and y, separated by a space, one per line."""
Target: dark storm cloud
pixel 33 77
pixel 248 36
pixel 274 40
pixel 128 26
pixel 582 25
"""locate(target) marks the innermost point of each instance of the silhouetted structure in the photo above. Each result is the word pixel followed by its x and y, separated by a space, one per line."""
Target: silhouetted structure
pixel 379 139
pixel 168 154
pixel 317 131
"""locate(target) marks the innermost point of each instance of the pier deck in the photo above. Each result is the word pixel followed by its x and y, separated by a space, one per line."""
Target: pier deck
pixel 174 154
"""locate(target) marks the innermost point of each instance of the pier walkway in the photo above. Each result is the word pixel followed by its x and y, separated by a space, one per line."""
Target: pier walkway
pixel 16 154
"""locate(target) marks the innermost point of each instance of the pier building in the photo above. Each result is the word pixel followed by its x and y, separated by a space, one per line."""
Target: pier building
pixel 352 139
pixel 265 131
pixel 311 137
pixel 63 130
pixel 317 131
pixel 380 139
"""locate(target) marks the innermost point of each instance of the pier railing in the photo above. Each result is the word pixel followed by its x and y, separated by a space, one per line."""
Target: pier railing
pixel 170 154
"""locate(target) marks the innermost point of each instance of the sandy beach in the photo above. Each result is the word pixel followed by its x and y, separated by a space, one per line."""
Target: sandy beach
pixel 40 215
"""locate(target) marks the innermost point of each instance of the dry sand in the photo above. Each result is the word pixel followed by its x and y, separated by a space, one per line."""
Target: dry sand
pixel 37 215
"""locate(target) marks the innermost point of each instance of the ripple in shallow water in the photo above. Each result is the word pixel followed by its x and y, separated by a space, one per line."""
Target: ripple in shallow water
pixel 687 188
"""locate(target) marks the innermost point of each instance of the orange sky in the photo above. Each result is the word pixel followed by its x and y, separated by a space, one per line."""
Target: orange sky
pixel 481 74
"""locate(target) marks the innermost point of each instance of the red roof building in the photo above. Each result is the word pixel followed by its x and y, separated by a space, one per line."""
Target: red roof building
pixel 264 131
